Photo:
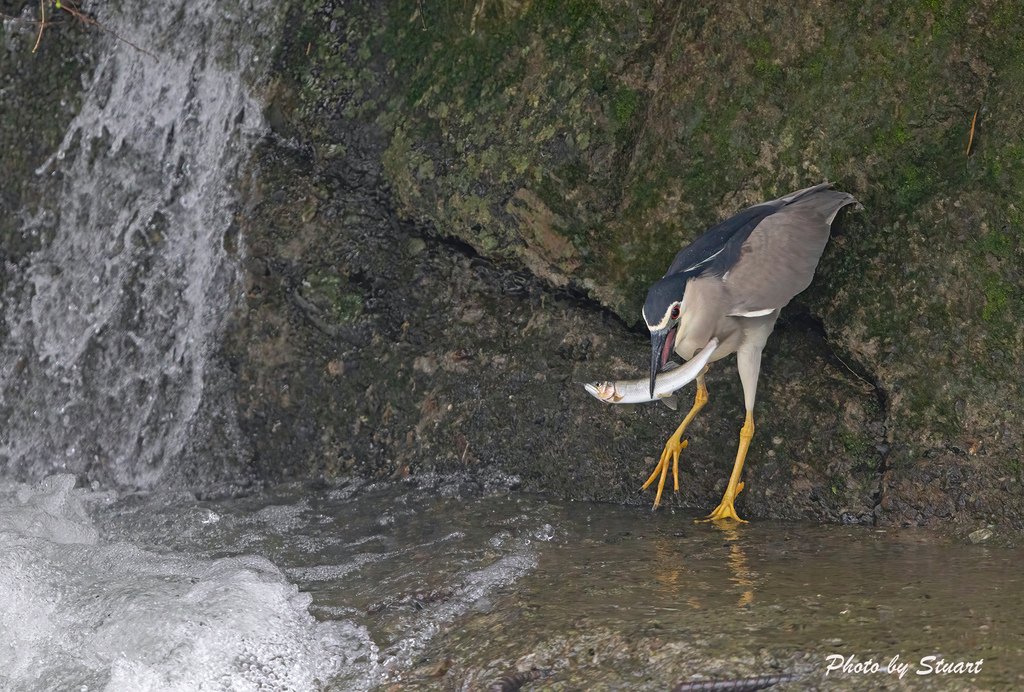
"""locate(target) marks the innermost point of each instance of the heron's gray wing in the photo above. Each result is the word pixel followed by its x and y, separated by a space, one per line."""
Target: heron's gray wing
pixel 703 251
pixel 807 191
pixel 719 248
pixel 777 260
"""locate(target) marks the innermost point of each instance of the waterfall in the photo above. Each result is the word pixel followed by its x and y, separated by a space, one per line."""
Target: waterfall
pixel 109 352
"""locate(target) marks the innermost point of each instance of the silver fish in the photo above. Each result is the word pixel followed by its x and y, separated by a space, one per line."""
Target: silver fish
pixel 667 382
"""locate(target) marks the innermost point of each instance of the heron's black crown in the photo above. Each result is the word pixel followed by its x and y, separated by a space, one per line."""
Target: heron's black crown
pixel 660 296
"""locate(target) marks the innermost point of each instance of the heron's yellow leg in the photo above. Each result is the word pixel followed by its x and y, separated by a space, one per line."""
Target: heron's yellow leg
pixel 675 445
pixel 725 509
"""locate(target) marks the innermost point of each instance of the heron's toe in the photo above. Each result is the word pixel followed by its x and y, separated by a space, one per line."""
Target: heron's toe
pixel 669 455
pixel 725 510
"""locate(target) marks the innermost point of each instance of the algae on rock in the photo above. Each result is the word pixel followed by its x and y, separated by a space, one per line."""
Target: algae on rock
pixel 463 203
pixel 587 141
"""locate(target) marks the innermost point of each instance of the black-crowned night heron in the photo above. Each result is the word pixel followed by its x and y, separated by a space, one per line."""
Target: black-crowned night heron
pixel 730 284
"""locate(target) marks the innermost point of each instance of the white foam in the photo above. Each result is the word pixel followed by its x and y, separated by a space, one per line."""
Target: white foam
pixel 82 613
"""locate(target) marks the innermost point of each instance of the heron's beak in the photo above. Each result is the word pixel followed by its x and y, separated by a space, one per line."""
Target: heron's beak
pixel 662 343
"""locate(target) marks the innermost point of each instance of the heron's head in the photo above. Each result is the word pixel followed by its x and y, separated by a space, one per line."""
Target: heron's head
pixel 662 310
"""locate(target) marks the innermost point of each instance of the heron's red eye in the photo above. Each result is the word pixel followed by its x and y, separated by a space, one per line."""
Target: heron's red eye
pixel 675 312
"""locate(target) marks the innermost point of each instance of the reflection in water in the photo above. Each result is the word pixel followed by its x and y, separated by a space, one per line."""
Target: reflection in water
pixel 742 575
pixel 667 570
pixel 452 588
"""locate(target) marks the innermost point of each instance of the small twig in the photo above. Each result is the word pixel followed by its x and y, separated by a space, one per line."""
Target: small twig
pixel 871 385
pixel 478 13
pixel 42 25
pixel 72 10
pixel 970 139
pixel 89 21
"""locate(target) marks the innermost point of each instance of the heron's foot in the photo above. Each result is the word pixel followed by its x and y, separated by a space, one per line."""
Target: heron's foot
pixel 725 509
pixel 669 455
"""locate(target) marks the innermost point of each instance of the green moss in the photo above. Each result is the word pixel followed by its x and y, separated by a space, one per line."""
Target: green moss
pixel 760 46
pixel 997 296
pixel 854 443
pixel 912 185
pixel 891 135
pixel 574 13
pixel 1015 219
pixel 998 243
pixel 624 106
pixel 949 16
pixel 859 447
pixel 767 70
pixel 330 294
pixel 815 67
pixel 1015 466
pixel 837 485
pixel 1005 164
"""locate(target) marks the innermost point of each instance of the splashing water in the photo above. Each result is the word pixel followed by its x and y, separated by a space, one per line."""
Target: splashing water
pixel 109 365
pixel 113 591
pixel 82 613
pixel 443 584
pixel 109 369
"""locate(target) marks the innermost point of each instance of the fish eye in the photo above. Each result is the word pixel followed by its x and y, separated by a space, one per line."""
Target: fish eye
pixel 675 312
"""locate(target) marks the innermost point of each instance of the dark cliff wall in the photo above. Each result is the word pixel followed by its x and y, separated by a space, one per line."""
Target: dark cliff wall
pixel 582 143
pixel 461 205
pixel 39 95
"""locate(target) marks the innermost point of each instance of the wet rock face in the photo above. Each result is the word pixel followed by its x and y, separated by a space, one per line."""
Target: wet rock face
pixel 580 144
pixel 374 339
pixel 40 95
pixel 463 203
pixel 454 363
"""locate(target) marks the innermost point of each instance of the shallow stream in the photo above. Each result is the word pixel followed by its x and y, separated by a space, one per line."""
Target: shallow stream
pixel 445 583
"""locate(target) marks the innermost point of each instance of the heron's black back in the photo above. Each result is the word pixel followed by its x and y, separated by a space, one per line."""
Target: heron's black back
pixel 718 248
